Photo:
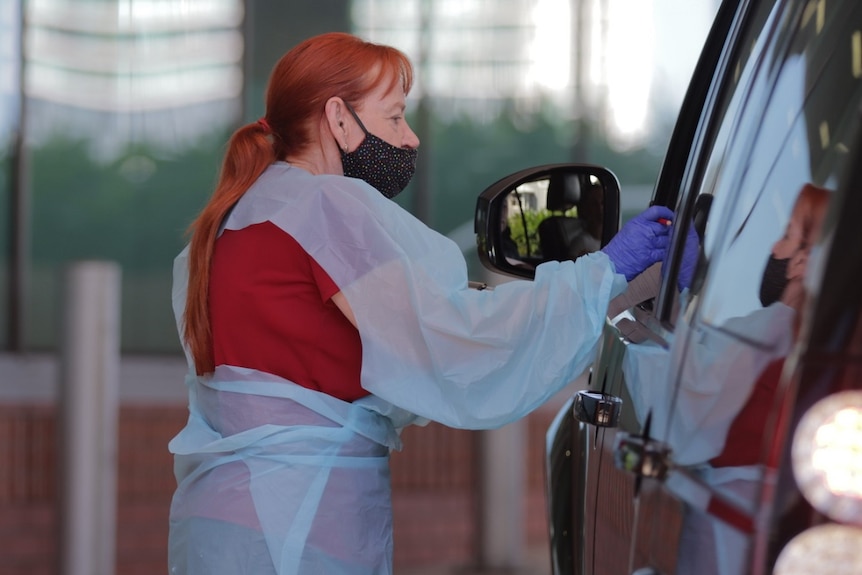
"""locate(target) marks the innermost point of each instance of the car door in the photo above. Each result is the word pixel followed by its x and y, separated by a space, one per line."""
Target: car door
pixel 771 153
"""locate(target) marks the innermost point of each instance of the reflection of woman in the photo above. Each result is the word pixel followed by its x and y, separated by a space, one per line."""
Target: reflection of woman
pixel 709 545
pixel 782 284
pixel 785 269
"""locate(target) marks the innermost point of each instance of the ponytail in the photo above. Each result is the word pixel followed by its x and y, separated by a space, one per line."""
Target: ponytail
pixel 249 152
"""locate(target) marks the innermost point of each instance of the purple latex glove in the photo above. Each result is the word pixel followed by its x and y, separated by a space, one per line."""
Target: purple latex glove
pixel 689 258
pixel 641 242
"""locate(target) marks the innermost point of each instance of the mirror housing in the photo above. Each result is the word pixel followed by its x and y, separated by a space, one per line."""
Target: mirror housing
pixel 544 213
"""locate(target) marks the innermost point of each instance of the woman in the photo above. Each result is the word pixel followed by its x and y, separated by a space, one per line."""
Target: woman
pixel 319 318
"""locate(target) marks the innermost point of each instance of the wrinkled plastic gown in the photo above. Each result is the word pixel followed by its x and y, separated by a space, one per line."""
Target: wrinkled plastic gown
pixel 276 478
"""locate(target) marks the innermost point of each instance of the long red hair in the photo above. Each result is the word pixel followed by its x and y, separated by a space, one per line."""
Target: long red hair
pixel 303 80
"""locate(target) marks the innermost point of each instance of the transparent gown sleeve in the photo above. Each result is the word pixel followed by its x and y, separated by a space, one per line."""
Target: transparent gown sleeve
pixel 478 359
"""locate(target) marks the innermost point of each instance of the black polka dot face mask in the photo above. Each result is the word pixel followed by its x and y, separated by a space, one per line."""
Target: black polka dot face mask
pixel 386 167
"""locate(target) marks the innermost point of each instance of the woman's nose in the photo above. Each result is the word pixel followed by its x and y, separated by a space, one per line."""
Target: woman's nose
pixel 411 140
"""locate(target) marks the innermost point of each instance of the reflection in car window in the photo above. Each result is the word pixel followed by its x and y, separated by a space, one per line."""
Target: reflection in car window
pixel 783 152
pixel 801 139
pixel 777 160
pixel 741 84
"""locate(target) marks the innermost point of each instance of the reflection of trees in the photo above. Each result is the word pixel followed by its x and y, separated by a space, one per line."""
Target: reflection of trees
pixel 821 37
pixel 519 235
pixel 134 209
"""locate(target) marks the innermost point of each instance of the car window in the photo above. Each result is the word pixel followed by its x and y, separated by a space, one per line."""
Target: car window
pixel 739 83
pixel 801 140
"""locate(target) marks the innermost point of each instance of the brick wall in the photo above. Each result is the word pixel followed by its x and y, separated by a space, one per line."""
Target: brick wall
pixel 434 483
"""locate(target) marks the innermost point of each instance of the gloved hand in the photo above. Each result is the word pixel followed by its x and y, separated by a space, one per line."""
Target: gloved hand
pixel 641 242
pixel 689 258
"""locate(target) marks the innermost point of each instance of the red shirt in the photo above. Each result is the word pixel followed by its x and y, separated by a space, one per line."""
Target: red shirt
pixel 271 310
pixel 744 443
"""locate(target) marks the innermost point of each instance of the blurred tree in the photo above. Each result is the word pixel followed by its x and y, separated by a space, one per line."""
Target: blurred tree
pixel 134 209
pixel 78 203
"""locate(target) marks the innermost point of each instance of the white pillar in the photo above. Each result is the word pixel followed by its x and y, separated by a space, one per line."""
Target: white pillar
pixel 502 485
pixel 87 423
pixel 503 473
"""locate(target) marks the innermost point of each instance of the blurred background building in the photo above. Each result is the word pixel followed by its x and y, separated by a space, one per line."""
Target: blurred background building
pixel 113 119
pixel 121 72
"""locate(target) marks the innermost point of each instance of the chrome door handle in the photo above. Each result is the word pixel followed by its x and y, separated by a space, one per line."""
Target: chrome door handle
pixel 596 408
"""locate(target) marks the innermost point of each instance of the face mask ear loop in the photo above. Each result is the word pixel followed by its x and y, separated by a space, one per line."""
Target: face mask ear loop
pixel 355 117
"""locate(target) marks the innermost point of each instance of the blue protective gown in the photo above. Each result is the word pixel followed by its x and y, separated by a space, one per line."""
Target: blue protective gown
pixel 276 478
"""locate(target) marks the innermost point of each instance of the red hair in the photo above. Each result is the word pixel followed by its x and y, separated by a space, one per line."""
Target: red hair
pixel 810 207
pixel 303 80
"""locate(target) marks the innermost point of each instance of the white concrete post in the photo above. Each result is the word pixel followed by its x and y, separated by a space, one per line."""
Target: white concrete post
pixel 503 472
pixel 503 485
pixel 88 412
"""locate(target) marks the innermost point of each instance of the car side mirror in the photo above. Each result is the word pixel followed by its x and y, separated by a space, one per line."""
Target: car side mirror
pixel 551 212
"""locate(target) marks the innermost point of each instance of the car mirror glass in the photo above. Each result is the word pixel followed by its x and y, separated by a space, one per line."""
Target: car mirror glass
pixel 550 213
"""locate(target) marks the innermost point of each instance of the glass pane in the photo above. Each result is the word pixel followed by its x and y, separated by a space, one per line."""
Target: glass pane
pixel 803 140
pixel 10 42
pixel 128 108
pixel 741 84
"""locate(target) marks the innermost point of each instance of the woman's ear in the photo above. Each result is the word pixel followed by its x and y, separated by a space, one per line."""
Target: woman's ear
pixel 335 111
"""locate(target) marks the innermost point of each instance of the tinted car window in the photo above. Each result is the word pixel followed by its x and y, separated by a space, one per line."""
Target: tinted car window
pixel 741 84
pixel 800 138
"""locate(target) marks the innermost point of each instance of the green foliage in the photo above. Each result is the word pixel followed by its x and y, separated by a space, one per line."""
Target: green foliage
pixel 528 240
pixel 134 210
pixel 465 156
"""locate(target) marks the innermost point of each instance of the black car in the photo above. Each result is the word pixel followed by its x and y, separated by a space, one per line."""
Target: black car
pixel 721 431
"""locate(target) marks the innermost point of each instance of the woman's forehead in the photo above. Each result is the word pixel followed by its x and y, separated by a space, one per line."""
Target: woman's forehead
pixel 386 97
